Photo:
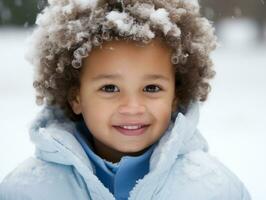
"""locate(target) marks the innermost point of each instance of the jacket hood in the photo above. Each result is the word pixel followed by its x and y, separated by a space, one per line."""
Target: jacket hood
pixel 52 134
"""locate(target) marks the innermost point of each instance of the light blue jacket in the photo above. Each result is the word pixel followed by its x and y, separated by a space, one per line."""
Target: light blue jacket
pixel 180 166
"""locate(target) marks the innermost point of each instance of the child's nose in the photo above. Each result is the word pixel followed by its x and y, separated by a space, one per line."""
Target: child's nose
pixel 132 106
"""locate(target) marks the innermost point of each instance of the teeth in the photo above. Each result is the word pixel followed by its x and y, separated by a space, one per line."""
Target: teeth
pixel 131 127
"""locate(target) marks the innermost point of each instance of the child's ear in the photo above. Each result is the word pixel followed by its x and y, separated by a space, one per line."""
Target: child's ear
pixel 175 104
pixel 74 101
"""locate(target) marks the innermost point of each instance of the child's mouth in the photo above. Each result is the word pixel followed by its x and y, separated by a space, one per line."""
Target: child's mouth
pixel 132 130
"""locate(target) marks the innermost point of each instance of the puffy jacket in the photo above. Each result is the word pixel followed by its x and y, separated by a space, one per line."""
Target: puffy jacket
pixel 180 166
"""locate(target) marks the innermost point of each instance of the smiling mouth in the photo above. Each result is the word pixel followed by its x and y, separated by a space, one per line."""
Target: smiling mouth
pixel 132 130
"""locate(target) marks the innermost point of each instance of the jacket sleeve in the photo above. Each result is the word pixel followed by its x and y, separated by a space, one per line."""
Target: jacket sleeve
pixel 35 179
pixel 245 193
pixel 18 184
pixel 208 178
pixel 236 189
pixel 10 192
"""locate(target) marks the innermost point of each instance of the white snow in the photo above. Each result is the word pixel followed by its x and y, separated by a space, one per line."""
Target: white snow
pixel 144 10
pixel 125 24
pixel 81 4
pixel 160 17
pixel 17 107
pixel 121 19
pixel 192 2
pixel 238 32
pixel 232 120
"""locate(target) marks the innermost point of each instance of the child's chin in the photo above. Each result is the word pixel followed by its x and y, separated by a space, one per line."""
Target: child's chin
pixel 136 151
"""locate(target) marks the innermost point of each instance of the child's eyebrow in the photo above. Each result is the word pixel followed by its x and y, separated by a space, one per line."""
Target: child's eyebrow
pixel 118 76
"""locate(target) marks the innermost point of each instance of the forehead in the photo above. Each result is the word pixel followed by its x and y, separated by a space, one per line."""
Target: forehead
pixel 121 56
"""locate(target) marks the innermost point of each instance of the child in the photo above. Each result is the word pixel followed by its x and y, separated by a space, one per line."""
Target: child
pixel 121 82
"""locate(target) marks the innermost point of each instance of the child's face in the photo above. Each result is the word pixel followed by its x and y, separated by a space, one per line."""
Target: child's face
pixel 123 84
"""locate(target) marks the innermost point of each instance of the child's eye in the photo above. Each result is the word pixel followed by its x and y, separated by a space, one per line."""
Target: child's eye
pixel 112 88
pixel 109 88
pixel 152 88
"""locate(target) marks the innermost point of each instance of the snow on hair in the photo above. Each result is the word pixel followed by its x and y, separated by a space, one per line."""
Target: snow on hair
pixel 67 30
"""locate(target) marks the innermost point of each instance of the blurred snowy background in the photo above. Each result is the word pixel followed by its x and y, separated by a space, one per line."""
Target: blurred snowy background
pixel 233 120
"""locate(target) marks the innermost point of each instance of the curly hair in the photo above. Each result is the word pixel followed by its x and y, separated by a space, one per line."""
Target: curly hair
pixel 69 29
